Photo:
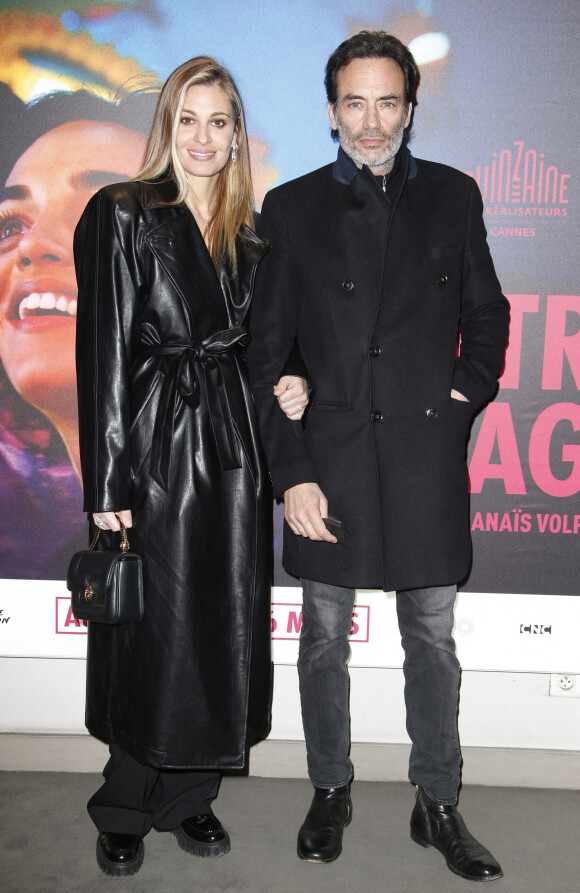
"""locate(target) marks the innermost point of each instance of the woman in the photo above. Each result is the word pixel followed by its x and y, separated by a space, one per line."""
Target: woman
pixel 165 267
pixel 56 153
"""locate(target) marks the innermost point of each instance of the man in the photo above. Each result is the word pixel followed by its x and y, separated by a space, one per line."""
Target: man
pixel 378 263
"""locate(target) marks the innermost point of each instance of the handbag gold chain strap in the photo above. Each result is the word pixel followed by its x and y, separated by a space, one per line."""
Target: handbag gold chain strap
pixel 124 540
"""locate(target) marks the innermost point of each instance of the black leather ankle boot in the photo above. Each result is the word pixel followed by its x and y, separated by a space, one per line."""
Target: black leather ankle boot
pixel 320 837
pixel 439 825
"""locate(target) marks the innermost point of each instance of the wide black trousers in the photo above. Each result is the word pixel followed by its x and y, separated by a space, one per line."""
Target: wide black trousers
pixel 136 798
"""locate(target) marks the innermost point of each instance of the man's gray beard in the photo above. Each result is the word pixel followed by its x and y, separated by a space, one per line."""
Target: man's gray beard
pixel 348 145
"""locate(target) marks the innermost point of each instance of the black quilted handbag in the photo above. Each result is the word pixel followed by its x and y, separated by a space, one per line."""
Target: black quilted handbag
pixel 106 587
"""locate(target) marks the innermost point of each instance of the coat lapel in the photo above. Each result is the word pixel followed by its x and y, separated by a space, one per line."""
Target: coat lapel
pixel 178 245
pixel 239 289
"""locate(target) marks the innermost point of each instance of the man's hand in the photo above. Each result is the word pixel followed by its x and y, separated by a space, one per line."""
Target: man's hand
pixel 305 505
pixel 292 394
pixel 456 395
pixel 109 520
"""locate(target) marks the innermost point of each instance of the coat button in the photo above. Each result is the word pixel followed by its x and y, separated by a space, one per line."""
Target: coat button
pixel 348 285
pixel 442 279
pixel 431 413
pixel 376 415
pixel 374 350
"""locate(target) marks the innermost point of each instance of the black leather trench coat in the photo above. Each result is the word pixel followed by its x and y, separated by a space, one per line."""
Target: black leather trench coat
pixel 168 429
pixel 376 295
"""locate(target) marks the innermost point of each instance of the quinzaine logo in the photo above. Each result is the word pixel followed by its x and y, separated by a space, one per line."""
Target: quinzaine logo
pixel 521 191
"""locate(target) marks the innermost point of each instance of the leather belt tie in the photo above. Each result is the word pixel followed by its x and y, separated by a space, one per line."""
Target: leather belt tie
pixel 181 382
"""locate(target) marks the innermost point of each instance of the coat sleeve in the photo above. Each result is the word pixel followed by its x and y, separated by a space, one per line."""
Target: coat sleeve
pixel 106 321
pixel 274 329
pixel 484 313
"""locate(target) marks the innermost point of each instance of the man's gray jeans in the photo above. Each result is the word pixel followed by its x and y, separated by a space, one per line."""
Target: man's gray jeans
pixel 431 672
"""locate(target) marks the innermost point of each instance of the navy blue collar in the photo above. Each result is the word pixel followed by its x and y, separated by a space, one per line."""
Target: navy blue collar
pixel 345 170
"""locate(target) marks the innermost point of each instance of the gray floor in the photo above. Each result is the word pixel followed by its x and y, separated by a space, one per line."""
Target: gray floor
pixel 47 841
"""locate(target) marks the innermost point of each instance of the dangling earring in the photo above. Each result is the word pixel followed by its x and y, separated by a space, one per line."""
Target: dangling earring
pixel 234 152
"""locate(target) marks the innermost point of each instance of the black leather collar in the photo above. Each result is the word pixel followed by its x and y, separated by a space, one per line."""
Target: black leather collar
pixel 159 193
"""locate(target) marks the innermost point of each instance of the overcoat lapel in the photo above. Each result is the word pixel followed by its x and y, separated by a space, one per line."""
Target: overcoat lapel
pixel 172 233
pixel 361 235
pixel 378 211
pixel 238 289
pixel 347 261
pixel 195 278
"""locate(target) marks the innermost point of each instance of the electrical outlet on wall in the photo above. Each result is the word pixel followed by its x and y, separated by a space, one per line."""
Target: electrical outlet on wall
pixel 564 685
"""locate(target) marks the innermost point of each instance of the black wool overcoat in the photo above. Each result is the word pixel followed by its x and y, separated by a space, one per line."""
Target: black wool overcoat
pixel 168 429
pixel 377 293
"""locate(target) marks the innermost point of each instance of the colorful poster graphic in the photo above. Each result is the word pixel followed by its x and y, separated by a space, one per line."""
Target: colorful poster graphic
pixel 77 91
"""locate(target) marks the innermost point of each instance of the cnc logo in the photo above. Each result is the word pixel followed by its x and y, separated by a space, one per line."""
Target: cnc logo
pixel 287 621
pixel 535 629
pixel 66 622
pixel 521 191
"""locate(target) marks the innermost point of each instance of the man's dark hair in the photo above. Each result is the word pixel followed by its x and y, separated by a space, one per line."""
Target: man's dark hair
pixel 373 45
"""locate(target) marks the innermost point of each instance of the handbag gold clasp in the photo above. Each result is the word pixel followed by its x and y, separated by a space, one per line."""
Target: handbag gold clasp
pixel 89 592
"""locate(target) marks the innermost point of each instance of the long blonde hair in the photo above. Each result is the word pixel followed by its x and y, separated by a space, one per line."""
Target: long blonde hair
pixel 233 201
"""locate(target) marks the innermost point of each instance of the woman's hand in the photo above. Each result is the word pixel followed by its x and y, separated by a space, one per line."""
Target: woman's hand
pixel 292 394
pixel 109 520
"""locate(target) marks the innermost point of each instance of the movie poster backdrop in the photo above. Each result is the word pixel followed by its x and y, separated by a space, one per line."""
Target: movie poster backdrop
pixel 498 99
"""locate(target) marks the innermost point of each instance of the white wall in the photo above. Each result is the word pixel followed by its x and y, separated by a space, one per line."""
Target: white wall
pixel 498 710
